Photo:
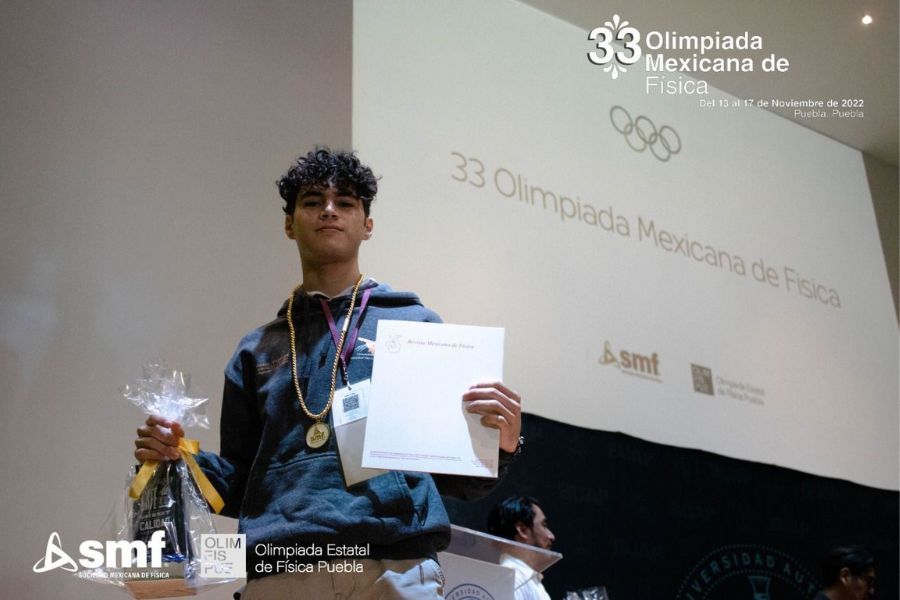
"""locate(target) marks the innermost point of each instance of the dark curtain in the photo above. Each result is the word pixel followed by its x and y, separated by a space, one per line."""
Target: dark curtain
pixel 651 521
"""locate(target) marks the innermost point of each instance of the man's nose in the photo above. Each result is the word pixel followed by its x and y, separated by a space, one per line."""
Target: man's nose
pixel 328 207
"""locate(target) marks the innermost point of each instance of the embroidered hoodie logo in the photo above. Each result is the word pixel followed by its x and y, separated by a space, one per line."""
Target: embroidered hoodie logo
pixel 369 344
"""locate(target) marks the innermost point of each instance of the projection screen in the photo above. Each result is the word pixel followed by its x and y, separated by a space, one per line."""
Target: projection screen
pixel 723 291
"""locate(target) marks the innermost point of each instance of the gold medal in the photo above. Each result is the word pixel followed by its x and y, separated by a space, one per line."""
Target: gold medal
pixel 317 434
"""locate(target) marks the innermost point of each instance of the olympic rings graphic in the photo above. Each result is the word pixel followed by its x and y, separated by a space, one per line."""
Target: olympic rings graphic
pixel 641 133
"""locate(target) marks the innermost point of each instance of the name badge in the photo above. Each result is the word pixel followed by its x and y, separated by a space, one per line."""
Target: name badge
pixel 351 403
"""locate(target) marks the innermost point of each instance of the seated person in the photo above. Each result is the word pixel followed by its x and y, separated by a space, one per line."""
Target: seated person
pixel 520 518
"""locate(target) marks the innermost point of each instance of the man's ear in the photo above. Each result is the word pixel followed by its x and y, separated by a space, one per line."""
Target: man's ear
pixel 521 531
pixel 370 226
pixel 844 575
pixel 288 226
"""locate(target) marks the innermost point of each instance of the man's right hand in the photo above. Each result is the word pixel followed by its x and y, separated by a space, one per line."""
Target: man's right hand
pixel 158 439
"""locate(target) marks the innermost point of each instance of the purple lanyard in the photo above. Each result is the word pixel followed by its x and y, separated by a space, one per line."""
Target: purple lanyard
pixel 349 341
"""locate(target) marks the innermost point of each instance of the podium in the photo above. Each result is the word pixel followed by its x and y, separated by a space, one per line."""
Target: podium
pixel 472 569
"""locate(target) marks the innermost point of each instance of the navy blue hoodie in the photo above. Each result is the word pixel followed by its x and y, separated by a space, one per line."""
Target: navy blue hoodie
pixel 287 494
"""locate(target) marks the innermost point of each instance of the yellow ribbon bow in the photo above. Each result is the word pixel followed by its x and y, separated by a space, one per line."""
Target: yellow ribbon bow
pixel 187 448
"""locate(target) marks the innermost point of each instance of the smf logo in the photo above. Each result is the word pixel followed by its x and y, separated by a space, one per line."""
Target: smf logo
pixel 615 60
pixel 703 380
pixel 641 133
pixel 130 554
pixel 632 363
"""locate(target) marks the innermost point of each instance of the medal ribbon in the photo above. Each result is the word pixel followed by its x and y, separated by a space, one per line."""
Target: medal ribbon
pixel 187 448
pixel 335 334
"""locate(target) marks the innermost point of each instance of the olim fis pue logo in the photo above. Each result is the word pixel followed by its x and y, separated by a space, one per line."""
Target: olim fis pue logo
pixel 96 554
pixel 618 45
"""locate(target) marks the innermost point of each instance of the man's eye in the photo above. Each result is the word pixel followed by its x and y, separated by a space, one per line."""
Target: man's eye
pixel 312 203
pixel 346 204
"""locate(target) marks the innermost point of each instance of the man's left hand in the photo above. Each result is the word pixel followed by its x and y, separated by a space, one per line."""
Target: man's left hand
pixel 499 407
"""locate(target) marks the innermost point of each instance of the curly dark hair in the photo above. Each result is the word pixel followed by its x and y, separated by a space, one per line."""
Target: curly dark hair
pixel 321 166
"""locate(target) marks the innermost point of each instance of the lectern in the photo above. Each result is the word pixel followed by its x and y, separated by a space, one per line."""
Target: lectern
pixel 472 569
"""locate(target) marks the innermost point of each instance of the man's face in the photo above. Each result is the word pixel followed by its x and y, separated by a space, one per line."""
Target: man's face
pixel 859 587
pixel 539 533
pixel 328 225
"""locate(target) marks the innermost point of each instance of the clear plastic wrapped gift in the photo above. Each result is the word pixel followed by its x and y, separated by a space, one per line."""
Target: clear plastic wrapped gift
pixel 158 523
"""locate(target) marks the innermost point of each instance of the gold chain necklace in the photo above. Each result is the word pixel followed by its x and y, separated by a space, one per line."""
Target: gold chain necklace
pixel 318 433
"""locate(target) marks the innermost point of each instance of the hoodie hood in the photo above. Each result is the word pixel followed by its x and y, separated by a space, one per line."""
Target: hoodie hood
pixel 381 294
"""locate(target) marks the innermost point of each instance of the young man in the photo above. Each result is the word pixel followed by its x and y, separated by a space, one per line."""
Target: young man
pixel 849 574
pixel 519 518
pixel 278 470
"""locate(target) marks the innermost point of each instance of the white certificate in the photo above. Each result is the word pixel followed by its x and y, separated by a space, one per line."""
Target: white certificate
pixel 417 420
